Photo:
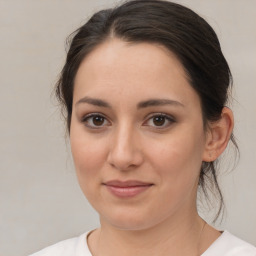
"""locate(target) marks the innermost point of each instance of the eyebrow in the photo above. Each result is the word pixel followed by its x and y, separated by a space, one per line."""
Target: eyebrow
pixel 95 102
pixel 158 102
pixel 143 104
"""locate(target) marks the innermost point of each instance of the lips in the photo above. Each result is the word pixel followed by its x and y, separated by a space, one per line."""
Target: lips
pixel 128 188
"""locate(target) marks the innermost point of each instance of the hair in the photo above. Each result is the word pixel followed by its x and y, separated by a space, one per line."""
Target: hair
pixel 181 31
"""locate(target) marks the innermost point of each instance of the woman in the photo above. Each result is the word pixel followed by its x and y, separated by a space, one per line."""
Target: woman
pixel 145 87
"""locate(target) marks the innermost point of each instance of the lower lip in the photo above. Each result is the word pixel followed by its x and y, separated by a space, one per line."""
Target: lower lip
pixel 126 192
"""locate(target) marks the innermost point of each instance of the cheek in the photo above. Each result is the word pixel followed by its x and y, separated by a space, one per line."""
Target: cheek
pixel 89 158
pixel 178 158
pixel 86 156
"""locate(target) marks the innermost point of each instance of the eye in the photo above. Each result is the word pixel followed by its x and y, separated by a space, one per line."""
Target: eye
pixel 95 121
pixel 159 121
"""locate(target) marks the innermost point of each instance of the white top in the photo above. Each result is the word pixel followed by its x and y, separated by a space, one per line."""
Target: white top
pixel 225 245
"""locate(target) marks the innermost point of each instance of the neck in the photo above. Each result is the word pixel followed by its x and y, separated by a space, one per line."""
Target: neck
pixel 176 236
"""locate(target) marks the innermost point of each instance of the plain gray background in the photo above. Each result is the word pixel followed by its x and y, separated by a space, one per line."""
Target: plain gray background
pixel 40 200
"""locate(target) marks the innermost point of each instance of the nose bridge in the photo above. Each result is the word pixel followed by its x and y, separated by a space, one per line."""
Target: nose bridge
pixel 124 148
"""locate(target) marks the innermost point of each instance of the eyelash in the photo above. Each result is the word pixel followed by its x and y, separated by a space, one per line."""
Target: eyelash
pixel 89 117
pixel 167 118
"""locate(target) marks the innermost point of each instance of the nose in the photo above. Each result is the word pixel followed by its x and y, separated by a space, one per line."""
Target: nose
pixel 125 150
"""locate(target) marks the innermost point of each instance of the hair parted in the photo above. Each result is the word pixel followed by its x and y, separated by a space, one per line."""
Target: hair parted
pixel 181 31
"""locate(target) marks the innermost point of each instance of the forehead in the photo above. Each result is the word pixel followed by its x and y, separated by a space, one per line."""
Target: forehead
pixel 115 55
pixel 130 69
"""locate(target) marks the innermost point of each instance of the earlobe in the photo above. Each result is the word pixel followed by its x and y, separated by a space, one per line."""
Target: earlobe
pixel 218 135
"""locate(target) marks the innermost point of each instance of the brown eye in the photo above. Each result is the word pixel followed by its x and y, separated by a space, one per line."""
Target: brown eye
pixel 159 120
pixel 98 120
pixel 95 121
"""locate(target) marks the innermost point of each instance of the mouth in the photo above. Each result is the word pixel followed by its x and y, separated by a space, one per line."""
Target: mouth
pixel 126 189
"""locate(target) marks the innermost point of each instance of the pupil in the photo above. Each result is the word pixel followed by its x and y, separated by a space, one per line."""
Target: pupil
pixel 159 120
pixel 98 120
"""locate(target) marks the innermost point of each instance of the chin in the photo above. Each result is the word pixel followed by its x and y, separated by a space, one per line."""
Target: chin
pixel 129 220
pixel 130 225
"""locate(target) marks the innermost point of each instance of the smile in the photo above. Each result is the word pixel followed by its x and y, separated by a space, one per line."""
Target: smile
pixel 126 189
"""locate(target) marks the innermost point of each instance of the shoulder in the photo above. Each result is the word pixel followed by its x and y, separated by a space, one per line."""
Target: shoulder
pixel 71 247
pixel 230 245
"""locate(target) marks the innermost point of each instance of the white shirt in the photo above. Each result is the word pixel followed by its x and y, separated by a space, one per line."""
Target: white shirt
pixel 226 245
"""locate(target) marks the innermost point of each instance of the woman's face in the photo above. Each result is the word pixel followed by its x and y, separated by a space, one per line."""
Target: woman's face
pixel 136 135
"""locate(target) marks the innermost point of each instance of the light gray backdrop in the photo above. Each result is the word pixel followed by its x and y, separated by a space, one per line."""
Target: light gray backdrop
pixel 40 201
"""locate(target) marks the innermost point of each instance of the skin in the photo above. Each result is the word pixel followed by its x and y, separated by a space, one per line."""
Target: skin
pixel 129 144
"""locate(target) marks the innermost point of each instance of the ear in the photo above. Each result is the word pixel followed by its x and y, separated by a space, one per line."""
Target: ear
pixel 218 135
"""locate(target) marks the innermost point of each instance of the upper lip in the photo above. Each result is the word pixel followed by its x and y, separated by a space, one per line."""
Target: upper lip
pixel 128 183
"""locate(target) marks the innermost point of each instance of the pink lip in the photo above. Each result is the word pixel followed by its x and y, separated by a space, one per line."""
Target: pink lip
pixel 128 188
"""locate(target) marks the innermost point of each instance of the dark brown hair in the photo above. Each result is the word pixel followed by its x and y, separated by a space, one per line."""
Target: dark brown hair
pixel 181 31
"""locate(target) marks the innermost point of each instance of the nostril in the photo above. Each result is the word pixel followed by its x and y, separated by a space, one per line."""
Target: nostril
pixel 124 161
